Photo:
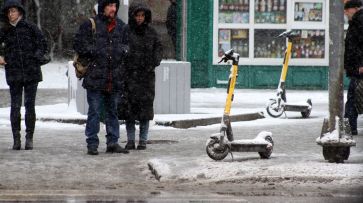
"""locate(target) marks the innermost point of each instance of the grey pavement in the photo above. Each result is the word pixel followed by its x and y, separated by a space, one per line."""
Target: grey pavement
pixel 58 169
pixel 44 97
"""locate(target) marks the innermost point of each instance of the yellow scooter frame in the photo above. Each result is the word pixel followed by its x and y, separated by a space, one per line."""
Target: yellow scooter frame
pixel 276 107
pixel 220 144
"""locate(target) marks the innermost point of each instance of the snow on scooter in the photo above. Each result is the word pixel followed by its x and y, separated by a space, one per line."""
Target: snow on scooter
pixel 220 144
pixel 277 106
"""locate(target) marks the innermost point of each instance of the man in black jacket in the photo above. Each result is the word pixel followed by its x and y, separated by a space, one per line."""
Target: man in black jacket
pixel 353 57
pixel 104 76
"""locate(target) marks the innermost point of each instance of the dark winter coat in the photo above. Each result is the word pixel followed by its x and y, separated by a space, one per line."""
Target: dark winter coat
pixel 105 72
pixel 171 20
pixel 24 46
pixel 146 53
pixel 353 55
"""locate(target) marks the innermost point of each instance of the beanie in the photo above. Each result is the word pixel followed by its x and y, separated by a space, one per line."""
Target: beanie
pixel 353 4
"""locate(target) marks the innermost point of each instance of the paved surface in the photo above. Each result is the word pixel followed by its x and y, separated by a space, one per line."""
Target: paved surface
pixel 44 97
pixel 58 169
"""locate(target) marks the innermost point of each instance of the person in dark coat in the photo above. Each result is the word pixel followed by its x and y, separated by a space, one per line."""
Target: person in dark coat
pixel 24 46
pixel 171 20
pixel 353 57
pixel 103 79
pixel 146 53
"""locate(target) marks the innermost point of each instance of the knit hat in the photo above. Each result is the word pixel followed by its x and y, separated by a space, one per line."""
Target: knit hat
pixel 353 4
pixel 103 3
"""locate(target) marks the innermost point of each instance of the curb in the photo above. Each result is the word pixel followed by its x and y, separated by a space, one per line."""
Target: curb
pixel 210 121
pixel 179 123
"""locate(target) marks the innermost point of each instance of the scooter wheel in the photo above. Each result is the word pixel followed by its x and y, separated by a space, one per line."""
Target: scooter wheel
pixel 305 114
pixel 273 109
pixel 213 150
pixel 267 154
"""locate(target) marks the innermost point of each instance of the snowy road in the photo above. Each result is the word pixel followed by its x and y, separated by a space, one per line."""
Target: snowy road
pixel 59 169
pixel 296 167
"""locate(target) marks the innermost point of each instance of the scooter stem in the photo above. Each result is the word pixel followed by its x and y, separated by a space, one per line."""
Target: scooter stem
pixel 281 88
pixel 229 55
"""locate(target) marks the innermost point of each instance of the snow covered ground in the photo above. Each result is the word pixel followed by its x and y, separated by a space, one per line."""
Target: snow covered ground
pixel 296 160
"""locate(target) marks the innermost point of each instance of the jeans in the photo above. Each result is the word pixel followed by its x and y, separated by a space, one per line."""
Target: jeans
pixel 94 99
pixel 350 110
pixel 16 94
pixel 130 129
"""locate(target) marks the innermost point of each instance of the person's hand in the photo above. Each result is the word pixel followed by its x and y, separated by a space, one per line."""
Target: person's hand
pixel 345 70
pixel 361 70
pixel 2 61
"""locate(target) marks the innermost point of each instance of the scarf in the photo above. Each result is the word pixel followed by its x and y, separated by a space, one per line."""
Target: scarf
pixel 111 24
pixel 14 23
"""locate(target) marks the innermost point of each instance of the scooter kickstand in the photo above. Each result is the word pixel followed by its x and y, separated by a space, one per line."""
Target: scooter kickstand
pixel 230 151
pixel 285 115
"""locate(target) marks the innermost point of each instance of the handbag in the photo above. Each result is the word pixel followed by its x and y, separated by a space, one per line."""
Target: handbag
pixel 81 63
pixel 358 95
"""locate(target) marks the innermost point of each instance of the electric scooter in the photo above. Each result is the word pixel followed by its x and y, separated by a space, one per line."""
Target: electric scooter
pixel 220 144
pixel 277 106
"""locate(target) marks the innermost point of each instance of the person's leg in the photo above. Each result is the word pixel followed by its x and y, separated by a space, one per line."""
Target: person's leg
pixel 144 130
pixel 112 124
pixel 16 92
pixel 130 130
pixel 93 121
pixel 350 110
pixel 102 114
pixel 30 91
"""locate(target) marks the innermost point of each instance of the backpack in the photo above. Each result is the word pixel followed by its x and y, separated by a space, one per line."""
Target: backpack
pixel 80 63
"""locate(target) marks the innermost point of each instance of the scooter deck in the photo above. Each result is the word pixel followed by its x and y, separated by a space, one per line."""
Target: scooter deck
pixel 249 146
pixel 300 107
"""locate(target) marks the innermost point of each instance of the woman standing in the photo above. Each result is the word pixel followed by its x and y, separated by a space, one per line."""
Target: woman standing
pixel 146 53
pixel 24 47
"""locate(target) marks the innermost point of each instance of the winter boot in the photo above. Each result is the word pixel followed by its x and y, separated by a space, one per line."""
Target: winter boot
pixel 354 132
pixel 15 127
pixel 141 145
pixel 116 149
pixel 30 125
pixel 92 150
pixel 130 145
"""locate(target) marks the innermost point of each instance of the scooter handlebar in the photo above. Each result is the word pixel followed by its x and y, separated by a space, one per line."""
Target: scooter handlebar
pixel 224 59
pixel 285 34
pixel 229 55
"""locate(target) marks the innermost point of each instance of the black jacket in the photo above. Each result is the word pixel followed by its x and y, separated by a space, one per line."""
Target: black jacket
pixel 24 46
pixel 146 53
pixel 105 72
pixel 353 55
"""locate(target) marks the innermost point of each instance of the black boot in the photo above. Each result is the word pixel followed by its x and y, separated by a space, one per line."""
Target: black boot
pixel 130 144
pixel 141 145
pixel 30 125
pixel 92 150
pixel 116 149
pixel 15 127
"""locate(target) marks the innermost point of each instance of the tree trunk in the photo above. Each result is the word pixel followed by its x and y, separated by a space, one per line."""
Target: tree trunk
pixel 38 12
